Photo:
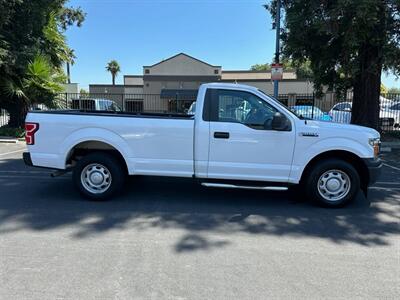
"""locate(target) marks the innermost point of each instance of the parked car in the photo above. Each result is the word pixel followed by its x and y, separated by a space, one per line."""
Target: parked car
pixel 341 113
pixel 95 104
pixel 270 149
pixel 311 112
pixel 394 109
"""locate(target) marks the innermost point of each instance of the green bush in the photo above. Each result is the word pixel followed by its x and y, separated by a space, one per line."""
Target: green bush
pixel 12 132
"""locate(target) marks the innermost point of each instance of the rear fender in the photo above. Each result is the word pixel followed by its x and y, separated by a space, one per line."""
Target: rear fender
pixel 99 135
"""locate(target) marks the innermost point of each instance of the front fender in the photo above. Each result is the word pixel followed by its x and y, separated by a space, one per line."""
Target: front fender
pixel 303 155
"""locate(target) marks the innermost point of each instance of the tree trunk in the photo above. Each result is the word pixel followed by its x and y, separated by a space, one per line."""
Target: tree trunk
pixel 17 110
pixel 367 83
pixel 68 73
pixel 366 91
pixel 113 78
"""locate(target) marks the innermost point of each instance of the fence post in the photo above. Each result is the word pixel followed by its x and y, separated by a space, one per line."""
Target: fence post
pixel 66 100
pixel 313 105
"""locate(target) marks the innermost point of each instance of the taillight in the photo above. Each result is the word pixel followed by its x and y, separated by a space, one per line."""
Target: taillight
pixel 30 130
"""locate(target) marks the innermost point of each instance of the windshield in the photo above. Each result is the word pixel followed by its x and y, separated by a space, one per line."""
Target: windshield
pixel 281 104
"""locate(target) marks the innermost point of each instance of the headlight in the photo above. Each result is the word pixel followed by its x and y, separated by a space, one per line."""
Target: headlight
pixel 376 145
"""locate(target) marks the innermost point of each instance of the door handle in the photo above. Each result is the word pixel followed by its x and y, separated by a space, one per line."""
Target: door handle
pixel 221 135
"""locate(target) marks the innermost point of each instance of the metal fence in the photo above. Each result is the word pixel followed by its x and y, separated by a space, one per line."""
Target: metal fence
pixel 4 117
pixel 134 103
pixel 329 107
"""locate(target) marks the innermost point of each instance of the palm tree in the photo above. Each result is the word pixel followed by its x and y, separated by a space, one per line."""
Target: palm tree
pixel 70 61
pixel 114 68
pixel 40 85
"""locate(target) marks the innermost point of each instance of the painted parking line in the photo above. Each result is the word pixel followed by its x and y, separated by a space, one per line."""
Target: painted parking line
pixel 386 183
pixel 33 177
pixel 12 152
pixel 381 188
pixel 24 172
pixel 393 167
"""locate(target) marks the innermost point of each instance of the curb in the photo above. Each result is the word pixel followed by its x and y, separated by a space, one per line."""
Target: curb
pixel 8 141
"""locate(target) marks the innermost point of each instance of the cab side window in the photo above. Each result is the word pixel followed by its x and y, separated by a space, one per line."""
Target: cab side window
pixel 241 107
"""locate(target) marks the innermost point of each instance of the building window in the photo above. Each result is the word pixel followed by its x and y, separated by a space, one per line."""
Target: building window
pixel 147 85
pixel 147 71
pixel 216 72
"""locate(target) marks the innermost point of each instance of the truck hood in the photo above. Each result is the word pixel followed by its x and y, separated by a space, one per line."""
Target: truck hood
pixel 339 129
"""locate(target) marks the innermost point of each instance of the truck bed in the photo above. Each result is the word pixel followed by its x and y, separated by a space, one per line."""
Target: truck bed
pixel 167 115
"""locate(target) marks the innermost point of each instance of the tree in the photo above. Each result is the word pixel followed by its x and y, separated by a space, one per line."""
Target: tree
pixel 383 89
pixel 114 68
pixel 39 86
pixel 394 90
pixel 29 29
pixel 70 61
pixel 302 69
pixel 261 67
pixel 348 44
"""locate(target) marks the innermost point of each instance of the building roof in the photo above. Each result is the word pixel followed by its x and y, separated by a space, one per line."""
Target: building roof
pixel 184 54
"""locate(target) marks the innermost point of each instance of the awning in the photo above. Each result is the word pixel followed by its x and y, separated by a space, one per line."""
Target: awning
pixel 179 94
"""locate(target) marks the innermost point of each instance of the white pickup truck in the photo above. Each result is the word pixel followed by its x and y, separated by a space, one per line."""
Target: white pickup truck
pixel 268 148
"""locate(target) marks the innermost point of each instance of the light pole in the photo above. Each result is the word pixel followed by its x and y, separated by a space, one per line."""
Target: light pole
pixel 277 45
pixel 276 25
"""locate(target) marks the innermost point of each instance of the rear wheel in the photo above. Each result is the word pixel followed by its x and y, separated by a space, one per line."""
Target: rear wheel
pixel 98 176
pixel 332 183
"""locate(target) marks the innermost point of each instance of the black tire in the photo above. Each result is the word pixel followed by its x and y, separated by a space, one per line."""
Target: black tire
pixel 108 166
pixel 317 187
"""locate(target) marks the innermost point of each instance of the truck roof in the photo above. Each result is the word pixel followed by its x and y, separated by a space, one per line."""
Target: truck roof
pixel 230 86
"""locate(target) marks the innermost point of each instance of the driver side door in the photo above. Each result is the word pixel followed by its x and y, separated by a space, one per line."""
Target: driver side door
pixel 242 144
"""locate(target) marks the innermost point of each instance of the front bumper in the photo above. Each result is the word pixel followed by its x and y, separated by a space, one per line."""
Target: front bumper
pixel 27 158
pixel 374 166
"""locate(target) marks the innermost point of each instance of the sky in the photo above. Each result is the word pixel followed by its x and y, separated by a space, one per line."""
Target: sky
pixel 234 34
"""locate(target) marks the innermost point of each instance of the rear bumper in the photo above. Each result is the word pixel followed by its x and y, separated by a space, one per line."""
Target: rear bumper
pixel 27 159
pixel 374 166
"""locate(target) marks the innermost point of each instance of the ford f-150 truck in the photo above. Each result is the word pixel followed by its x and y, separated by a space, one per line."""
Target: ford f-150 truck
pixel 266 147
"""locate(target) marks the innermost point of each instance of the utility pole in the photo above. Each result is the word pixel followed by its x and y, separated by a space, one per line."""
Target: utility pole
pixel 277 47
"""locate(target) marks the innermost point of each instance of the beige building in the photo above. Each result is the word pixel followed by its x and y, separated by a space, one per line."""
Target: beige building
pixel 172 84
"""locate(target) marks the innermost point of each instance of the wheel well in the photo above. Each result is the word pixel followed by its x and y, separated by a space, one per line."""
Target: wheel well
pixel 84 148
pixel 348 157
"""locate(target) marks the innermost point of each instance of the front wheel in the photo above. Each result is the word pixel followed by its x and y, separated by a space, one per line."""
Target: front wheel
pixel 98 176
pixel 333 183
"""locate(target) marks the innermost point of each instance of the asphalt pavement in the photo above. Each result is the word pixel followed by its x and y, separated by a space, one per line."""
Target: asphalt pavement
pixel 172 239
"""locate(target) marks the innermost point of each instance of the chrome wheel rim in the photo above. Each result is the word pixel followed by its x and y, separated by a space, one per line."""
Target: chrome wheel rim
pixel 334 185
pixel 96 178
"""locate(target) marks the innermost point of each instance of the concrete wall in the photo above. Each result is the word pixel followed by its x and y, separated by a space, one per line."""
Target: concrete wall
pixel 71 88
pixel 155 86
pixel 133 80
pixel 285 87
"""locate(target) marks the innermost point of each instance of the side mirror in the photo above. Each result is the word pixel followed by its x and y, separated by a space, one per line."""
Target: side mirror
pixel 279 122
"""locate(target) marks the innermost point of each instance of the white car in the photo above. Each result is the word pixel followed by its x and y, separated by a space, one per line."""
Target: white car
pixel 93 104
pixel 394 109
pixel 341 113
pixel 270 148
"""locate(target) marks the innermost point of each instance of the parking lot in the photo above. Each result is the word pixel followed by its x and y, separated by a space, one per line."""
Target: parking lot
pixel 172 239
